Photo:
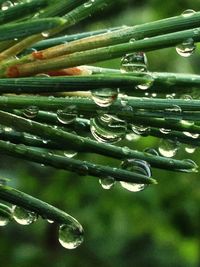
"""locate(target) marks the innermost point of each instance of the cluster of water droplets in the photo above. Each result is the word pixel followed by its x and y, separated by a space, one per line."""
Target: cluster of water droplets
pixel 187 47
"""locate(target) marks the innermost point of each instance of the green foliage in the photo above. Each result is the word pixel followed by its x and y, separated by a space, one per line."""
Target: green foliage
pixel 155 227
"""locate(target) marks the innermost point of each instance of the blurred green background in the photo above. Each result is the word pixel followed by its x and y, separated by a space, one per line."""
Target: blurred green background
pixel 159 226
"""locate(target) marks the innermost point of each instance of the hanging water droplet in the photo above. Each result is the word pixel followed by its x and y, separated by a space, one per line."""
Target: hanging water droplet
pixel 71 235
pixel 173 113
pixel 104 97
pixel 192 135
pixel 88 3
pixel 70 153
pixel 187 48
pixel 188 13
pixel 165 131
pixel 67 115
pixel 50 221
pixel 107 183
pixel 23 216
pixel 132 137
pixel 45 34
pixel 31 112
pixel 168 148
pixel 151 151
pixel 6 5
pixel 194 167
pixel 135 62
pixel 147 84
pixel 190 149
pixel 108 128
pixel 138 166
pixel 4 220
pixel 140 129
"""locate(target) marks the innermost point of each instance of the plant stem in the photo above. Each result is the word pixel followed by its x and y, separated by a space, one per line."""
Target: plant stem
pixel 30 203
pixel 79 143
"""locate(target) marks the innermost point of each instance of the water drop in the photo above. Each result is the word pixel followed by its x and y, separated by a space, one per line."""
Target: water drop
pixel 168 148
pixel 188 13
pixel 67 115
pixel 4 220
pixel 194 167
pixel 104 97
pixel 23 216
pixel 140 129
pixel 42 75
pixel 132 137
pixel 45 34
pixel 50 221
pixel 173 113
pixel 31 112
pixel 71 235
pixel 6 5
pixel 70 153
pixel 108 128
pixel 147 84
pixel 187 48
pixel 192 135
pixel 151 151
pixel 107 183
pixel 135 62
pixel 88 3
pixel 165 131
pixel 138 166
pixel 190 149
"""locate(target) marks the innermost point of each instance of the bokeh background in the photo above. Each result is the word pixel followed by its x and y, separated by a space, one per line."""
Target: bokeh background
pixel 159 226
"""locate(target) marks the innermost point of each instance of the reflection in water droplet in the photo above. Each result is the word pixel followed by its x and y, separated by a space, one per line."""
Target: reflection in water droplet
pixel 135 62
pixel 192 135
pixel 107 183
pixel 70 153
pixel 6 5
pixel 4 220
pixel 173 113
pixel 132 137
pixel 168 148
pixel 45 34
pixel 140 129
pixel 187 48
pixel 104 97
pixel 88 3
pixel 151 151
pixel 194 167
pixel 23 216
pixel 71 235
pixel 138 166
pixel 108 128
pixel 67 115
pixel 190 149
pixel 147 84
pixel 50 221
pixel 188 13
pixel 31 112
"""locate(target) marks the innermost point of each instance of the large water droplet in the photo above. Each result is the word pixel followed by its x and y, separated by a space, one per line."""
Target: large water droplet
pixel 187 48
pixel 192 135
pixel 107 183
pixel 67 115
pixel 108 128
pixel 70 153
pixel 135 62
pixel 23 216
pixel 71 235
pixel 104 97
pixel 188 13
pixel 31 112
pixel 138 166
pixel 168 148
pixel 147 84
pixel 190 149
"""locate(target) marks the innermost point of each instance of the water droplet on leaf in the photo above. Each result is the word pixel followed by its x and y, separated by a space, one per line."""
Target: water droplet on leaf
pixel 71 235
pixel 107 183
pixel 67 115
pixel 31 112
pixel 138 166
pixel 23 216
pixel 135 62
pixel 108 128
pixel 104 97
pixel 187 48
pixel 168 148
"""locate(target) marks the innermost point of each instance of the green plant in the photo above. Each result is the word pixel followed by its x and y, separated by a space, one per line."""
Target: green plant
pixel 46 116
